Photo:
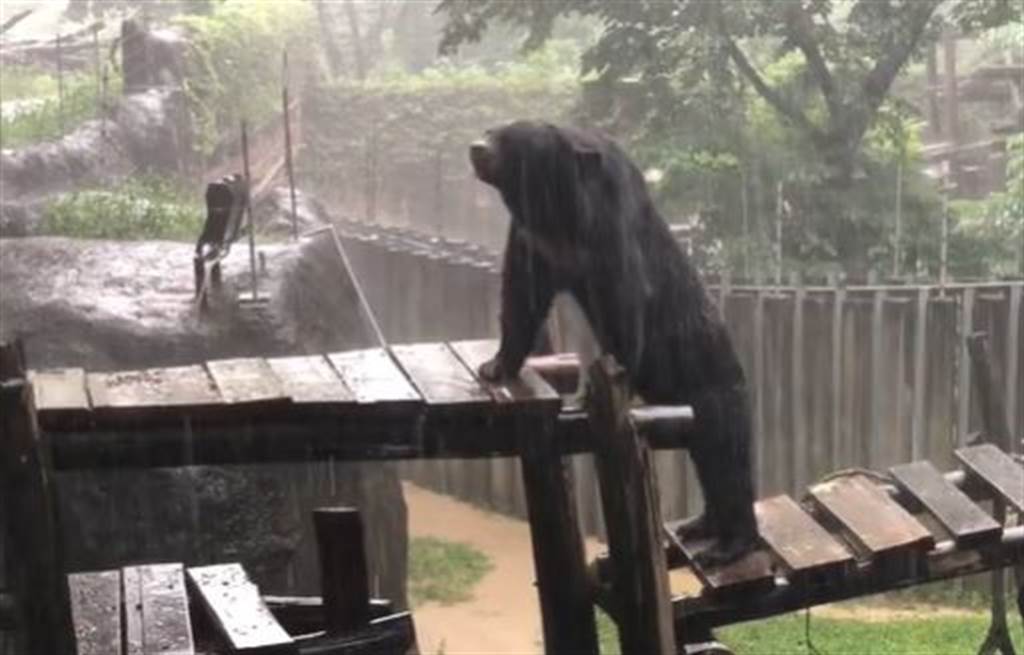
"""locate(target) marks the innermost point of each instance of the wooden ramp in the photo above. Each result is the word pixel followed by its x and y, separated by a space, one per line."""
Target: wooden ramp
pixel 856 535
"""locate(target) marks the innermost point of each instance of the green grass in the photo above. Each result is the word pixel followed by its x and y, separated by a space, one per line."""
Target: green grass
pixel 140 208
pixel 444 571
pixel 785 635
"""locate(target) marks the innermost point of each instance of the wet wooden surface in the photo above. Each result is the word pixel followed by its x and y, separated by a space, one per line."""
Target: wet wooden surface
pixel 997 470
pixel 163 625
pixel 248 380
pixel 751 574
pixel 311 380
pixel 529 387
pixel 374 378
pixel 440 376
pixel 967 523
pixel 804 547
pixel 872 520
pixel 96 612
pixel 60 395
pixel 238 613
pixel 156 390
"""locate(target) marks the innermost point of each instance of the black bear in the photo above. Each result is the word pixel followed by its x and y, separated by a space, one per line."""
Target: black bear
pixel 583 223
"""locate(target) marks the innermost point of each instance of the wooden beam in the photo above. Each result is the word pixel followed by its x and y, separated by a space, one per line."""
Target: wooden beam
pixel 567 611
pixel 629 496
pixel 32 537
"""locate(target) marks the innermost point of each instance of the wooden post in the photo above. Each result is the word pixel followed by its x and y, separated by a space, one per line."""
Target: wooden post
pixel 248 210
pixel 343 578
pixel 566 603
pixel 875 439
pixel 997 431
pixel 32 539
pixel 630 499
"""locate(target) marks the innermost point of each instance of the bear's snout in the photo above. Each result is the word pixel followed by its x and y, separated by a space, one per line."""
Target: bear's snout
pixel 482 158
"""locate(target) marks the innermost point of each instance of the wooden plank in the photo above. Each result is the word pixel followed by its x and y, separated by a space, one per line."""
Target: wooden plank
pixel 161 622
pixel 873 521
pixel 997 470
pixel 751 574
pixel 967 523
pixel 131 579
pixel 804 547
pixel 440 376
pixel 60 394
pixel 374 377
pixel 154 390
pixel 245 381
pixel 96 612
pixel 529 388
pixel 242 619
pixel 310 380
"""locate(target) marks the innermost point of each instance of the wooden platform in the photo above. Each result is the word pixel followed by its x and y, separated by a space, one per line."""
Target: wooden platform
pixel 855 535
pixel 403 402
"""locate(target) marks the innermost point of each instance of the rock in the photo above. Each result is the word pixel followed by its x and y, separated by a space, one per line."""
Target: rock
pixel 105 305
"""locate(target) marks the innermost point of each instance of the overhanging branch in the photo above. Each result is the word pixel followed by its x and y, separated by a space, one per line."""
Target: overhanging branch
pixel 771 96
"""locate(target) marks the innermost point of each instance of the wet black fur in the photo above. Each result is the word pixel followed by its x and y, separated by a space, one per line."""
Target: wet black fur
pixel 583 222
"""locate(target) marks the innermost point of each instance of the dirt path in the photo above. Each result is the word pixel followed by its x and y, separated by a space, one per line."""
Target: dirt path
pixel 503 616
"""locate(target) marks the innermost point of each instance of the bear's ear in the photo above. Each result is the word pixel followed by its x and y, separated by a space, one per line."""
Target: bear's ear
pixel 588 158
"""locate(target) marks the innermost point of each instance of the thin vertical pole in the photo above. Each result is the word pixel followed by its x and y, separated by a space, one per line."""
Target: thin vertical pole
pixel 898 236
pixel 60 85
pixel 778 234
pixel 248 210
pixel 288 145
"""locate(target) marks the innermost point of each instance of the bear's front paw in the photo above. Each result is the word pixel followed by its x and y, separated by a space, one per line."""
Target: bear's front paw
pixel 492 371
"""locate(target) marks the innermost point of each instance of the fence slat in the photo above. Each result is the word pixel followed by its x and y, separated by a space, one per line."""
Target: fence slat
pixel 920 367
pixel 964 386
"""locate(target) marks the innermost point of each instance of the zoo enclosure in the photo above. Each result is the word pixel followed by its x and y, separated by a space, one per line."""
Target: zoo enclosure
pixel 840 375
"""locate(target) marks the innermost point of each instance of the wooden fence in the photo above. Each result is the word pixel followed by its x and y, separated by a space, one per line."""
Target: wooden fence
pixel 857 376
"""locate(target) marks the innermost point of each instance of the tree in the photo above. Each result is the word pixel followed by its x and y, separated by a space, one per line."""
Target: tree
pixel 714 51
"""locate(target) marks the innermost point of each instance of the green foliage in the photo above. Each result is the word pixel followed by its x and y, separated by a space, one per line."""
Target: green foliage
pixel 988 236
pixel 443 571
pixel 234 62
pixel 140 208
pixel 20 82
pixel 787 634
pixel 49 118
pixel 402 132
pixel 730 99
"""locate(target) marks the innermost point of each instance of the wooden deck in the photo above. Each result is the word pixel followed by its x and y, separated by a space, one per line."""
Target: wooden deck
pixel 404 402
